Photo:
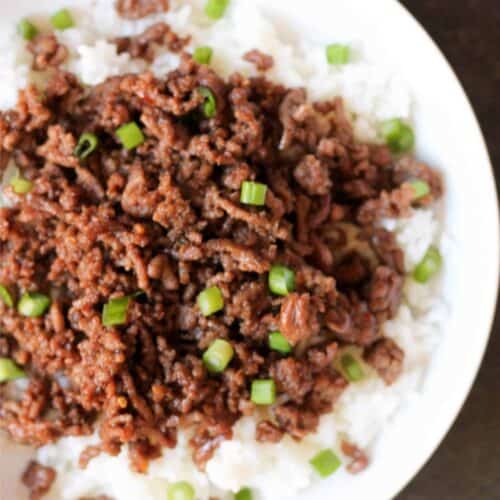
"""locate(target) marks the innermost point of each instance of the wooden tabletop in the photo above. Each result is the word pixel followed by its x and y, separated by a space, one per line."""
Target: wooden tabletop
pixel 467 465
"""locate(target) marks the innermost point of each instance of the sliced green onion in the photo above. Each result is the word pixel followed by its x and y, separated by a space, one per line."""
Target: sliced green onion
pixel 337 54
pixel 21 185
pixel 244 494
pixel 277 342
pixel 263 392
pixel 9 370
pixel 253 193
pixel 115 311
pixel 428 266
pixel 203 55
pixel 281 280
pixel 420 187
pixel 210 301
pixel 210 104
pixel 130 135
pixel 62 20
pixel 215 9
pixel 398 135
pixel 6 297
pixel 351 368
pixel 325 463
pixel 33 304
pixel 87 144
pixel 26 29
pixel 180 491
pixel 218 356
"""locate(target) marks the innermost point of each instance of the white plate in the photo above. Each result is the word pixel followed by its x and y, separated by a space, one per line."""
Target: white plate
pixel 448 137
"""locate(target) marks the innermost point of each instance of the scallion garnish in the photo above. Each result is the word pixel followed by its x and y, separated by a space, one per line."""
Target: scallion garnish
pixel 6 297
pixel 244 494
pixel 33 304
pixel 62 20
pixel 130 135
pixel 218 356
pixel 9 370
pixel 26 29
pixel 421 188
pixel 215 9
pixel 398 135
pixel 87 144
pixel 351 368
pixel 325 463
pixel 428 266
pixel 20 185
pixel 203 55
pixel 114 313
pixel 263 392
pixel 253 193
pixel 278 342
pixel 180 491
pixel 281 280
pixel 210 104
pixel 337 54
pixel 210 301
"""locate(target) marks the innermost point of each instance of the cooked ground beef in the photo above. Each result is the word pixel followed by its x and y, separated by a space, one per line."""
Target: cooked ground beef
pixel 38 479
pixel 144 45
pixel 262 61
pixel 47 52
pixel 387 358
pixel 136 9
pixel 359 459
pixel 165 218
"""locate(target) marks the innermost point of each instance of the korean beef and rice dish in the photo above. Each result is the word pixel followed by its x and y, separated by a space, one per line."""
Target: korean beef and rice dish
pixel 205 273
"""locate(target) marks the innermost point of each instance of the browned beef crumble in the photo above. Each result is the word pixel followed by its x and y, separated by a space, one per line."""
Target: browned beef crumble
pixel 38 479
pixel 47 52
pixel 136 9
pixel 387 358
pixel 358 458
pixel 144 46
pixel 262 62
pixel 165 218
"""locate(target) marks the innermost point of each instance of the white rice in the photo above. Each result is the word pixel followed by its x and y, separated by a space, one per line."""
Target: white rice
pixel 366 408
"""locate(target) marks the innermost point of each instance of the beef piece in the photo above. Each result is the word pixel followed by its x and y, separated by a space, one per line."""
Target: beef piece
pixel 293 378
pixel 59 147
pixel 262 62
pixel 175 211
pixel 298 318
pixel 88 454
pixel 47 52
pixel 235 256
pixel 38 479
pixel 408 168
pixel 267 432
pixel 397 203
pixel 387 358
pixel 296 421
pixel 359 459
pixel 352 271
pixel 161 268
pixel 385 291
pixel 387 249
pixel 143 46
pixel 137 198
pixel 137 9
pixel 313 176
pixel 352 321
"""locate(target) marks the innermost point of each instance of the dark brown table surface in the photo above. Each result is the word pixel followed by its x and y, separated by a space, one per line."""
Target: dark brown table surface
pixel 467 464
